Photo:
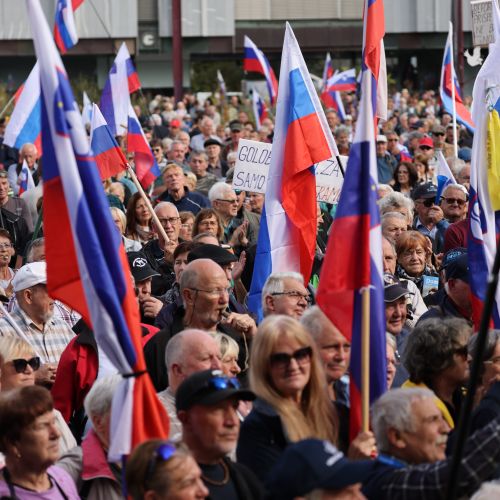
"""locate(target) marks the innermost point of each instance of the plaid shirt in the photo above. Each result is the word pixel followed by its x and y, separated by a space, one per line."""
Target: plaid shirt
pixel 480 460
pixel 48 343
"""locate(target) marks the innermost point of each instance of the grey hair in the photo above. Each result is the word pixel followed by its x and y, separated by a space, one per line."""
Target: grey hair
pixel 341 129
pixel 219 190
pixel 392 215
pixel 164 204
pixel 173 143
pixel 98 400
pixel 166 143
pixel 397 200
pixel 198 154
pixel 394 410
pixel 492 339
pixel 39 242
pixel 233 155
pixel 455 186
pixel 274 284
pixel 227 345
pixel 386 188
pixel 314 320
pixel 391 341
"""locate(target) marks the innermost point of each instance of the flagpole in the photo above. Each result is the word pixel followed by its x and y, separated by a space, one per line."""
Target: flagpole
pixel 157 222
pixel 6 107
pixel 452 73
pixel 365 359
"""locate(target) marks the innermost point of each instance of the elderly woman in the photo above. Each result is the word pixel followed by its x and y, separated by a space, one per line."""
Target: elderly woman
pixel 208 221
pixel 414 254
pixel 139 220
pixel 229 351
pixel 436 357
pixel 397 202
pixel 18 367
pixel 392 358
pixel 120 222
pixel 293 403
pixel 29 439
pixel 187 223
pixel 163 469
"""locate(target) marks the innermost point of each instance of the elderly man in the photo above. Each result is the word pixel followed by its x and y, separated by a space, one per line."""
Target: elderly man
pixel 198 163
pixel 33 315
pixel 454 202
pixel 285 293
pixel 236 130
pixel 216 165
pixel 463 176
pixel 386 163
pixel 188 352
pixel 177 153
pixel 206 405
pixel 205 295
pixel 207 131
pixel 430 218
pixel 393 224
pixel 177 193
pixel 28 152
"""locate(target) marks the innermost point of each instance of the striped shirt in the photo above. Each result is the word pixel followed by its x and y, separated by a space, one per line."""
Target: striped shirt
pixel 48 343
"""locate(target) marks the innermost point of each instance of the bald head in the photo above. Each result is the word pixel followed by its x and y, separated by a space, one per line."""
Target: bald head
pixel 198 272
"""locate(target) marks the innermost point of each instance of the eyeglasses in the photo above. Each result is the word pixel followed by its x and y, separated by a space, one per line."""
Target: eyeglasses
pixel 157 150
pixel 163 453
pixel 20 365
pixel 295 295
pixel 429 202
pixel 5 246
pixel 232 202
pixel 461 351
pixel 493 361
pixel 458 201
pixel 216 292
pixel 169 220
pixel 439 133
pixel 282 359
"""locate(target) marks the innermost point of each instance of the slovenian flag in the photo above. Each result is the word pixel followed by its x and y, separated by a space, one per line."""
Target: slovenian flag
pixel 87 267
pixel 65 33
pixel 287 235
pixel 259 108
pixel 444 176
pixel 344 81
pixel 25 179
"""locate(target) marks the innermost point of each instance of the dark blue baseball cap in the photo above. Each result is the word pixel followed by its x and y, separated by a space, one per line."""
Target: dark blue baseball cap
pixel 314 464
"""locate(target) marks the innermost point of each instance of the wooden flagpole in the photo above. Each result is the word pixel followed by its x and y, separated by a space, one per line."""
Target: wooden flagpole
pixel 365 359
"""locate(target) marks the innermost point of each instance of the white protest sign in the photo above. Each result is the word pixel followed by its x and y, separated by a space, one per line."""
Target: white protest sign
pixel 482 23
pixel 252 166
pixel 329 179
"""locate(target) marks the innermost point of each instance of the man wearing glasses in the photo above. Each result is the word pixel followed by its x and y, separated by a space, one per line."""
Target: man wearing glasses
pixel 454 202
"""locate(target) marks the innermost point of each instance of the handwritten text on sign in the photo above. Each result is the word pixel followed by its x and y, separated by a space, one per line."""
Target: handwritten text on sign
pixel 252 167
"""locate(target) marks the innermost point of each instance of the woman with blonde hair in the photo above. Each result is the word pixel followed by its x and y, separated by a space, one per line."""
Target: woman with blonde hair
pixel 293 404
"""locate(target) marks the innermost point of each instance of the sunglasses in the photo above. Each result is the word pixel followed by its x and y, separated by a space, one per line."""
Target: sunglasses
pixel 20 365
pixel 283 360
pixel 455 200
pixel 429 202
pixel 461 351
pixel 425 148
pixel 163 453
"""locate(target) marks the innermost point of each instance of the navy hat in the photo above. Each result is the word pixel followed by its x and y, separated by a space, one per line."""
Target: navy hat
pixel 314 464
pixel 211 142
pixel 451 255
pixel 393 288
pixel 458 269
pixel 139 265
pixel 426 190
pixel 212 252
pixel 465 154
pixel 207 388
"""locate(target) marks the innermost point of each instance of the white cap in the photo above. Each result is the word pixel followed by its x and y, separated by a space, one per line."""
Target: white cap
pixel 381 138
pixel 30 275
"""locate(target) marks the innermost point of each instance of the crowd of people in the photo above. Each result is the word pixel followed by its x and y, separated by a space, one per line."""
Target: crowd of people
pixel 256 410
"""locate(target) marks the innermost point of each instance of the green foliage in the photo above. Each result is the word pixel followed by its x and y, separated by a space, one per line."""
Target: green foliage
pixel 204 75
pixel 88 83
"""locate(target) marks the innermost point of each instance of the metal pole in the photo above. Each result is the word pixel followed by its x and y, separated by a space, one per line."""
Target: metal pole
pixel 177 49
pixel 460 44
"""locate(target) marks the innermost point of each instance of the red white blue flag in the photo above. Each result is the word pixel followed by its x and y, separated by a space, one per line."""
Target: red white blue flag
pixel 353 260
pixel 327 70
pixel 449 78
pixel 107 154
pixel 257 62
pixel 122 81
pixel 146 168
pixel 333 99
pixel 302 138
pixel 65 33
pixel 344 81
pixel 259 108
pixel 25 125
pixel 87 266
pixel 25 179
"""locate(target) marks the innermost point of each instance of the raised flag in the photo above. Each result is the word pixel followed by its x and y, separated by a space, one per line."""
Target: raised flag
pixel 374 54
pixel 146 168
pixel 25 123
pixel 444 176
pixel 353 260
pixel 484 210
pixel 256 61
pixel 259 108
pixel 333 99
pixel 87 267
pixel 25 179
pixel 86 110
pixel 65 33
pixel 302 138
pixel 327 70
pixel 449 85
pixel 344 81
pixel 108 155
pixel 122 81
pixel 221 82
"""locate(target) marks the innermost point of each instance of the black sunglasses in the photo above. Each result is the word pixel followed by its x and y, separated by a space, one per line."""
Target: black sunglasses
pixel 20 365
pixel 163 453
pixel 462 351
pixel 429 202
pixel 283 360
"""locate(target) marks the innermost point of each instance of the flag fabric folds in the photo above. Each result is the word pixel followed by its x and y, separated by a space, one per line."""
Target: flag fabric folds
pixel 484 213
pixel 122 81
pixel 65 33
pixel 108 156
pixel 221 82
pixel 287 235
pixel 444 176
pixel 25 123
pixel 345 81
pixel 333 99
pixel 327 70
pixel 146 168
pixel 257 62
pixel 449 78
pixel 25 179
pixel 86 110
pixel 353 261
pixel 259 108
pixel 86 263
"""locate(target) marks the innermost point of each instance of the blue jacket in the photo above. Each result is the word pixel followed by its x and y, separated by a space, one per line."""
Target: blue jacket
pixel 191 201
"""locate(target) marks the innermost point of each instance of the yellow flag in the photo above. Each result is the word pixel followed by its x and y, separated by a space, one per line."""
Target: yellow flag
pixel 494 159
